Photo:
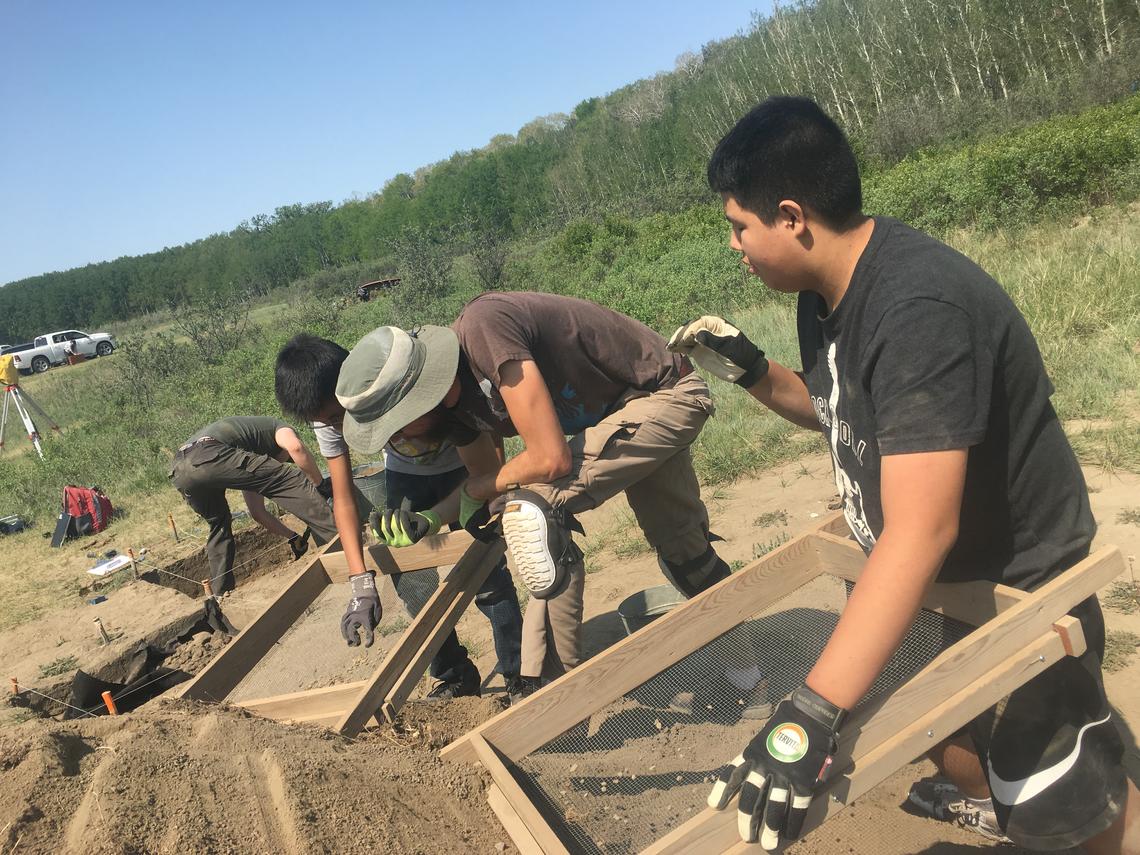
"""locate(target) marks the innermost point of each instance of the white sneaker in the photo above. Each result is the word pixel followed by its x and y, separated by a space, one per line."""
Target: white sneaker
pixel 943 800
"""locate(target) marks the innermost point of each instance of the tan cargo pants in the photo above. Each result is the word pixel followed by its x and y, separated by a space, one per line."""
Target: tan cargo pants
pixel 643 450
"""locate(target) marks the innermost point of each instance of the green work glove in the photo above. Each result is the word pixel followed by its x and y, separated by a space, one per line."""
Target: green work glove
pixel 403 527
pixel 781 769
pixel 719 348
pixel 468 506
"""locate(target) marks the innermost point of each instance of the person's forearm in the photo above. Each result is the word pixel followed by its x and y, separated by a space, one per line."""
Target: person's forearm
pixel 784 392
pixel 345 513
pixel 306 463
pixel 524 468
pixel 257 510
pixel 877 617
pixel 348 527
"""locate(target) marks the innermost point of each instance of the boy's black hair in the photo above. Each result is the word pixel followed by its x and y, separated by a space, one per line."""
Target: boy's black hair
pixel 787 148
pixel 306 374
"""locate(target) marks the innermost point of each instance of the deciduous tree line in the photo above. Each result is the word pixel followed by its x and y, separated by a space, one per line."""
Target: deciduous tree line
pixel 899 75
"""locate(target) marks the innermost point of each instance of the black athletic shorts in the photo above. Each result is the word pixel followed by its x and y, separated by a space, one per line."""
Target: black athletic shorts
pixel 1051 751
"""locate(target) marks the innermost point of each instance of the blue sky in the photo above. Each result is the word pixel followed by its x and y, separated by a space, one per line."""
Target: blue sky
pixel 129 126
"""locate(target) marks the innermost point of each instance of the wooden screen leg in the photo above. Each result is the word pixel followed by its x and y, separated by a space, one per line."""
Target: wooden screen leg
pixel 242 654
pixel 516 829
pixel 406 683
pixel 422 629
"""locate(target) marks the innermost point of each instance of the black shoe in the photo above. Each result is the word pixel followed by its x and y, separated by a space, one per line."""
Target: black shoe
pixel 519 687
pixel 466 685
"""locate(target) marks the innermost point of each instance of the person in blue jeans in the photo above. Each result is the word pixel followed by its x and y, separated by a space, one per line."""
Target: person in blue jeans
pixel 497 599
pixel 305 383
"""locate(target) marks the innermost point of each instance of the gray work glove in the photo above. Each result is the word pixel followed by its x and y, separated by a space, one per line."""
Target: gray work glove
pixel 363 612
pixel 719 348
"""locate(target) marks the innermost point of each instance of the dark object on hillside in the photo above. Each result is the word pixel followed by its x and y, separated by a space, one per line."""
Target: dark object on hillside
pixel 146 678
pixel 12 524
pixel 364 292
pixel 86 510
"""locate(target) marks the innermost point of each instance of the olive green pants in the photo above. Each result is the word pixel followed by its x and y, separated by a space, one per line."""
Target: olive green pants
pixel 203 472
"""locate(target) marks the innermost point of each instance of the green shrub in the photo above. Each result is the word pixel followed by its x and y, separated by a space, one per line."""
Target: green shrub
pixel 1015 177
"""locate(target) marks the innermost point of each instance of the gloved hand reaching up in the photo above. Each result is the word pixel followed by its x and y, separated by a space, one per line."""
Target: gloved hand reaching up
pixel 363 612
pixel 781 769
pixel 719 348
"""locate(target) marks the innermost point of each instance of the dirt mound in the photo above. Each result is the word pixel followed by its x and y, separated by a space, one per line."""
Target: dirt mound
pixel 182 777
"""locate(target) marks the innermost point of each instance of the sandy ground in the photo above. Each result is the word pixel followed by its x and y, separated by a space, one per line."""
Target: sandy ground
pixel 176 776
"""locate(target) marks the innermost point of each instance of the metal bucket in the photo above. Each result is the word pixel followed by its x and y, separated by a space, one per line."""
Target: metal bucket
pixel 369 480
pixel 641 609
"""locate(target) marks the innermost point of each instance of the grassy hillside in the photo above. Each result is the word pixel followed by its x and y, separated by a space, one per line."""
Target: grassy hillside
pixel 1074 280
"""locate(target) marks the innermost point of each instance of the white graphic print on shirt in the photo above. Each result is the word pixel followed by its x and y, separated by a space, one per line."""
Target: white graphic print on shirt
pixel 849 490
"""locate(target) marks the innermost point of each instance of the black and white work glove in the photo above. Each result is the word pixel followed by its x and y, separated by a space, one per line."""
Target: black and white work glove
pixel 325 488
pixel 781 769
pixel 363 612
pixel 719 348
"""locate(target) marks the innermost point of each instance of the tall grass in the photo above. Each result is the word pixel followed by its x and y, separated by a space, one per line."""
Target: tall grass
pixel 1076 286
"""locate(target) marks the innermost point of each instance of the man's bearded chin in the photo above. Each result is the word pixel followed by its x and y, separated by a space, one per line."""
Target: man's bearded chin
pixel 439 425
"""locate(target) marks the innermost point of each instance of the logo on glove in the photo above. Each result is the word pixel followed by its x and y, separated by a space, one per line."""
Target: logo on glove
pixel 788 743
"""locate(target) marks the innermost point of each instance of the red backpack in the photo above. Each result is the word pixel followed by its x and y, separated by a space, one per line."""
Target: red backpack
pixel 89 509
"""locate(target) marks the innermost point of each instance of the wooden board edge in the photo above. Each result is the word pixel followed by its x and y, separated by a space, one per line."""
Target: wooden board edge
pixel 512 824
pixel 406 683
pixel 308 702
pixel 833 522
pixel 423 627
pixel 972 602
pixel 245 650
pixel 548 841
pixel 630 662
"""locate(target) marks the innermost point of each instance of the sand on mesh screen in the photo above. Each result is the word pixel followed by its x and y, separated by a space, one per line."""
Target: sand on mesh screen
pixel 312 654
pixel 643 765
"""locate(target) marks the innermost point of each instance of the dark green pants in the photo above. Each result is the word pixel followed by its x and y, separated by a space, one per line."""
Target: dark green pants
pixel 203 472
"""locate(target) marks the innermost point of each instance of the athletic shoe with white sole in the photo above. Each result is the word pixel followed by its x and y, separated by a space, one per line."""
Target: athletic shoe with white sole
pixel 539 542
pixel 943 800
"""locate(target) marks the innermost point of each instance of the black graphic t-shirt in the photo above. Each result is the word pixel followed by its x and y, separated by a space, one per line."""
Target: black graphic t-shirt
pixel 926 352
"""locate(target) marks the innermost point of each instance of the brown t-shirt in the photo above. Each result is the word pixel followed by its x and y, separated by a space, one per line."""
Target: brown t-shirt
pixel 592 358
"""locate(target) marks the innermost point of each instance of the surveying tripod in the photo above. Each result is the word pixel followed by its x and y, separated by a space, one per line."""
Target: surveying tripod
pixel 24 402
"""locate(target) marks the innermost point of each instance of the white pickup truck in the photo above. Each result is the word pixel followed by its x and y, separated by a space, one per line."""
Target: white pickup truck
pixel 53 349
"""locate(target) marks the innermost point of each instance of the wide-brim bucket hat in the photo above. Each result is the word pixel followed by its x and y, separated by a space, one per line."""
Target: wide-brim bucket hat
pixel 391 378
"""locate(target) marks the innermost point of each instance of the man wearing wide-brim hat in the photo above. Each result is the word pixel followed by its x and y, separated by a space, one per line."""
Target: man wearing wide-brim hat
pixel 545 367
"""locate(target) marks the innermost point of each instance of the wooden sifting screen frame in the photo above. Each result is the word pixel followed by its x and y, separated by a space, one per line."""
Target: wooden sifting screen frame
pixel 1018 635
pixel 347 707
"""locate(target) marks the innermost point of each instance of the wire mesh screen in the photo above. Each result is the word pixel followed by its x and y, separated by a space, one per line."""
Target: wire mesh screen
pixel 312 654
pixel 643 765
